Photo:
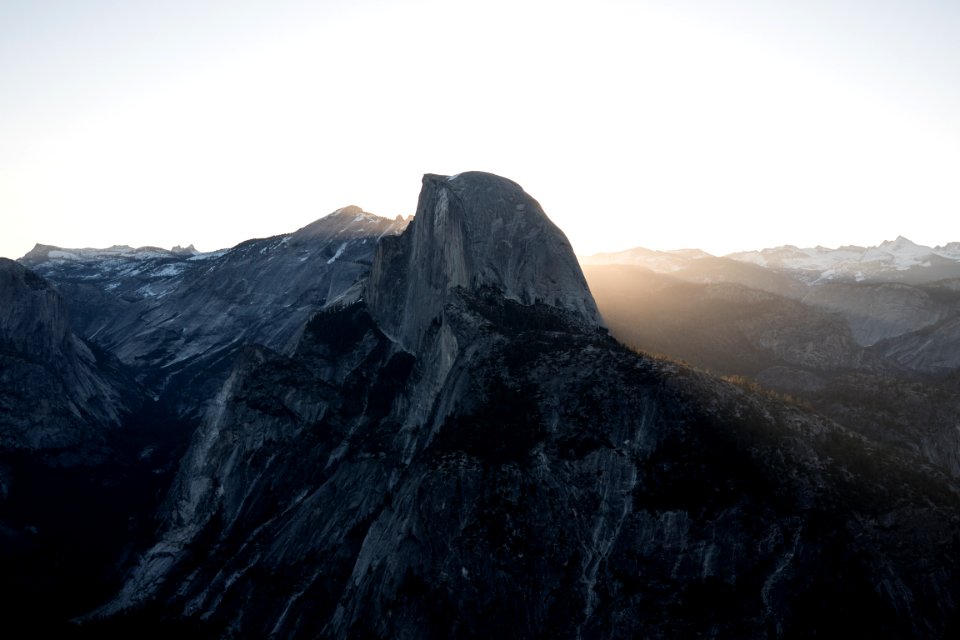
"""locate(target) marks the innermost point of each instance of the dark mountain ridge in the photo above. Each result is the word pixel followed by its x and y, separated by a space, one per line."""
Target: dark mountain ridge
pixel 431 434
pixel 879 357
pixel 479 457
pixel 56 391
pixel 178 317
pixel 84 455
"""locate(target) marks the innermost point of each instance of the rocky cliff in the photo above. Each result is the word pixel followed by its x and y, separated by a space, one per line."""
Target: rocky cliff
pixel 478 458
pixel 473 231
pixel 81 459
pixel 56 392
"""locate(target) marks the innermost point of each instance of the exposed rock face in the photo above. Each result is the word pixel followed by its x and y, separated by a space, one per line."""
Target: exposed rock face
pixel 181 317
pixel 934 349
pixel 55 391
pixel 473 231
pixel 67 491
pixel 481 459
pixel 878 311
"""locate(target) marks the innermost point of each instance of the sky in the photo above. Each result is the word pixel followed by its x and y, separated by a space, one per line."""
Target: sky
pixel 724 125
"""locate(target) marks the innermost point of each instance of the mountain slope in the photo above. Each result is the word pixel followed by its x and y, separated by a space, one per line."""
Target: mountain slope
pixel 876 311
pixel 83 455
pixel 473 231
pixel 693 265
pixel 180 317
pixel 55 391
pixel 725 327
pixel 793 347
pixel 487 461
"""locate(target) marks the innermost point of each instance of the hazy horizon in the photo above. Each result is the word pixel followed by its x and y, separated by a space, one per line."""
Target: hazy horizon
pixel 578 253
pixel 727 126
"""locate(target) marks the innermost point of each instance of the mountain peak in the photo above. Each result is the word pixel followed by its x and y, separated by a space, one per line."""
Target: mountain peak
pixel 346 223
pixel 899 242
pixel 39 253
pixel 474 231
pixel 890 261
pixel 349 210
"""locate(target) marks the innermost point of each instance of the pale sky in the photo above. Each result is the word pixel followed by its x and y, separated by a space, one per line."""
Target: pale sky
pixel 721 125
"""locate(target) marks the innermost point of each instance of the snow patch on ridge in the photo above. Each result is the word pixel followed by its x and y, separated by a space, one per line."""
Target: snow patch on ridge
pixel 337 254
pixel 858 263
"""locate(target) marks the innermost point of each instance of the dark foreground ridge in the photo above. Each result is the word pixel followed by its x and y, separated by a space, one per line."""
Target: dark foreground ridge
pixel 460 450
pixel 466 453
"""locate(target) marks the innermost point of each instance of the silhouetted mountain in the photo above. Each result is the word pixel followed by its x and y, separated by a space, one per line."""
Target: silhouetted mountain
pixel 355 433
pixel 813 346
pixel 478 457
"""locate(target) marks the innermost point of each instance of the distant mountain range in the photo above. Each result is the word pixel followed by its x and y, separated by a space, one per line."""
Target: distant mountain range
pixel 171 314
pixel 868 336
pixel 897 260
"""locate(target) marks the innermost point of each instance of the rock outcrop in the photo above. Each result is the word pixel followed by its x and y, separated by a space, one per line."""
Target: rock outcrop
pixel 56 392
pixel 473 231
pixel 480 458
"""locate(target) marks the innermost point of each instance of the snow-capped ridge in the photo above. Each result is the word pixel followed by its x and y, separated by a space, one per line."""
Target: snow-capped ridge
pixel 45 252
pixel 349 222
pixel 889 260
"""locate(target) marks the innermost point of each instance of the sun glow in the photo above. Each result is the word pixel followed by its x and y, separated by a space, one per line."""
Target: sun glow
pixel 634 124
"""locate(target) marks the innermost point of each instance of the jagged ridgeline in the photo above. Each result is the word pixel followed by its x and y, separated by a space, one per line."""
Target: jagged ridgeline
pixel 455 447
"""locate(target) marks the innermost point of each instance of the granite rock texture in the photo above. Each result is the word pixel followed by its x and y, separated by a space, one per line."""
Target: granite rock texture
pixel 480 458
pixel 56 391
pixel 180 318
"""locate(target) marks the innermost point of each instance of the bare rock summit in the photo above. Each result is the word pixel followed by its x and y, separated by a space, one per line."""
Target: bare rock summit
pixel 473 231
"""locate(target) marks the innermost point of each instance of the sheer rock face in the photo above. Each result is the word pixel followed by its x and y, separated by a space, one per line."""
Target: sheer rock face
pixel 477 459
pixel 473 231
pixel 55 392
pixel 33 318
pixel 559 486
